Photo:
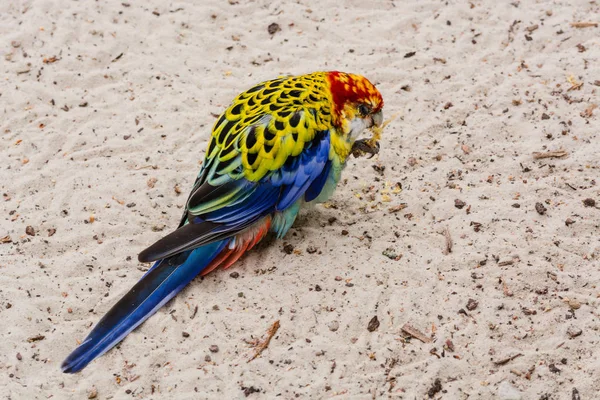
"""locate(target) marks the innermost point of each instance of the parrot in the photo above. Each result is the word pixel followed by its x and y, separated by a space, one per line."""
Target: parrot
pixel 280 145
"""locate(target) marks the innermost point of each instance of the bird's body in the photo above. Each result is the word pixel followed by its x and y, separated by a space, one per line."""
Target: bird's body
pixel 279 145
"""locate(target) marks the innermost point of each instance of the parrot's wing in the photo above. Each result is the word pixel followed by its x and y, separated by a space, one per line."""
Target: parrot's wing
pixel 250 171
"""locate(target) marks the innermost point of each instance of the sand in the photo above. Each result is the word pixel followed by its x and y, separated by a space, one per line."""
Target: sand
pixel 106 110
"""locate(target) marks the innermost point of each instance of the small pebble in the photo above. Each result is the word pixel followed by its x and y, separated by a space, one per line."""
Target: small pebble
pixel 472 304
pixel 539 207
pixel 589 202
pixel 92 393
pixel 213 348
pixel 30 231
pixel 574 304
pixel 459 204
pixel 573 332
pixel 334 326
pixel 373 324
pixel 273 28
pixel 185 334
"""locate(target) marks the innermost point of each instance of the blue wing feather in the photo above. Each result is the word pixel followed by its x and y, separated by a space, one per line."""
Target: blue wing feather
pixel 315 188
pixel 258 204
pixel 308 168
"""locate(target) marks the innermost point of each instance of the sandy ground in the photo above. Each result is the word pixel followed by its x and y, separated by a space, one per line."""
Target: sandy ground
pixel 106 107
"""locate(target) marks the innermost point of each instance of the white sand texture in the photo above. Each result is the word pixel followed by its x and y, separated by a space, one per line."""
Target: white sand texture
pixel 483 272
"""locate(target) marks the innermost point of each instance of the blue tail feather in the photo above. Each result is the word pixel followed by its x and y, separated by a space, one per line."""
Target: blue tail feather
pixel 163 281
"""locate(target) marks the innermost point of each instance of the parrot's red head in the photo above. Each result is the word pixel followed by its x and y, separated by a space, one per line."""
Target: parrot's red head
pixel 357 104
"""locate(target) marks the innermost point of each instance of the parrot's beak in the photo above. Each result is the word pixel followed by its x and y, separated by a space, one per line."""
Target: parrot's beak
pixel 377 118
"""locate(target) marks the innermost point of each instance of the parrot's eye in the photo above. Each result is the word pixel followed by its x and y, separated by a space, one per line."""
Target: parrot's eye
pixel 364 109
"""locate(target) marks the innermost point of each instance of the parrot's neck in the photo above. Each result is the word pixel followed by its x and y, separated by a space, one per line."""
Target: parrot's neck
pixel 340 147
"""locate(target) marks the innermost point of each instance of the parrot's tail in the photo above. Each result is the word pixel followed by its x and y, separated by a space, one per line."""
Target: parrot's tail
pixel 163 281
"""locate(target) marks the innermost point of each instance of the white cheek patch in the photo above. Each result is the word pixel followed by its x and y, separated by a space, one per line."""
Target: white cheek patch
pixel 357 126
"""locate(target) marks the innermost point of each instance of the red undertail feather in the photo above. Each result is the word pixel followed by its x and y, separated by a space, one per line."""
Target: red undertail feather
pixel 243 242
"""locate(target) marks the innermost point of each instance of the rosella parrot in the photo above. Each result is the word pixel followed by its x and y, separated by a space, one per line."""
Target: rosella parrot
pixel 279 145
